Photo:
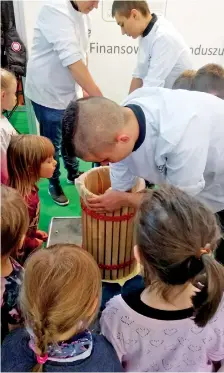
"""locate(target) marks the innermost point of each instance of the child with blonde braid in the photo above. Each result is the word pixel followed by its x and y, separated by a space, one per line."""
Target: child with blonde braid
pixel 174 323
pixel 60 298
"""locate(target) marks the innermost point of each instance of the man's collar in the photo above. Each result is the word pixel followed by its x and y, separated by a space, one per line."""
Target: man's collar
pixel 74 5
pixel 140 116
pixel 150 25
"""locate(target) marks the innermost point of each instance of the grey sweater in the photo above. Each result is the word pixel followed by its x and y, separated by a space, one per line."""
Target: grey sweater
pixel 16 356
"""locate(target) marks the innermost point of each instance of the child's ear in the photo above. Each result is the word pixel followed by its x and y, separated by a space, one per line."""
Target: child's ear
pixel 2 94
pixel 136 254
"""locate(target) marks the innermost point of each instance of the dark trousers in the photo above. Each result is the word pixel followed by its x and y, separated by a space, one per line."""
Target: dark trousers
pixel 50 121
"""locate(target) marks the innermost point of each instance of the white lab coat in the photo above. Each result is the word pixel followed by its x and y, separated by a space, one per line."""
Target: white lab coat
pixel 183 146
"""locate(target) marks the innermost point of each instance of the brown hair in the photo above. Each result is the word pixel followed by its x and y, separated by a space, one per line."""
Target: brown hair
pixel 25 155
pixel 124 8
pixel 61 290
pixel 185 80
pixel 14 220
pixel 6 78
pixel 171 229
pixel 210 79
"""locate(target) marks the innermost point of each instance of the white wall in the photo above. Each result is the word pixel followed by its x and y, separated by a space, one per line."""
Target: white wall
pixel 200 22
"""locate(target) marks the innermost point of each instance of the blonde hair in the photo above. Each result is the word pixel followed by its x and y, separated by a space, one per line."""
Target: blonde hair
pixel 14 220
pixel 6 78
pixel 25 155
pixel 61 290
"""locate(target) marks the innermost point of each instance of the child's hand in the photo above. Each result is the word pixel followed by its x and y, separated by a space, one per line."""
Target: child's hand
pixel 42 235
pixel 39 242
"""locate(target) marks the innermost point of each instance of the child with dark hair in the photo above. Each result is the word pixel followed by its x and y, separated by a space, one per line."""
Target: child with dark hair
pixel 162 55
pixel 14 225
pixel 176 321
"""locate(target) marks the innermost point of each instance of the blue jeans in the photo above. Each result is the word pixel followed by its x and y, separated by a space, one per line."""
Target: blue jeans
pixel 50 121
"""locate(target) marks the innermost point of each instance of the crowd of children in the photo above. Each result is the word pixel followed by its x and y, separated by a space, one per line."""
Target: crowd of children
pixel 50 299
pixel 175 322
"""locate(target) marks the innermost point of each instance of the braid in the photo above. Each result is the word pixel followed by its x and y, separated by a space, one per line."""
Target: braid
pixel 42 339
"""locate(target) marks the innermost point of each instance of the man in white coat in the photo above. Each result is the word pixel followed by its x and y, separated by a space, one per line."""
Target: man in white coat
pixel 161 135
pixel 57 73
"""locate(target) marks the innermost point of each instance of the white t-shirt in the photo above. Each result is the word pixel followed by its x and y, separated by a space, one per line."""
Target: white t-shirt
pixel 162 56
pixel 7 130
pixel 183 144
pixel 152 340
pixel 61 38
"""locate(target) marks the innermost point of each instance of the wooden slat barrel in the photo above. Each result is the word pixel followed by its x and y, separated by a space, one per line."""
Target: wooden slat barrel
pixel 107 236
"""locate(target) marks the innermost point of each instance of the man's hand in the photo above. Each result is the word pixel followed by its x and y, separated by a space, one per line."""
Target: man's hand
pixel 108 202
pixel 113 200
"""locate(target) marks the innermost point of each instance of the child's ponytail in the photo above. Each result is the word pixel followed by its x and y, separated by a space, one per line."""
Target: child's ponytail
pixel 206 301
pixel 42 339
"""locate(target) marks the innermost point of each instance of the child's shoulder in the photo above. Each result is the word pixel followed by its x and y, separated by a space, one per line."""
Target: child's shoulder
pixel 11 284
pixel 17 269
pixel 16 354
pixel 104 355
pixel 6 126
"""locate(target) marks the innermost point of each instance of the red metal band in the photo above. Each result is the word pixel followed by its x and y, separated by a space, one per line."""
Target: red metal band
pixel 116 266
pixel 114 219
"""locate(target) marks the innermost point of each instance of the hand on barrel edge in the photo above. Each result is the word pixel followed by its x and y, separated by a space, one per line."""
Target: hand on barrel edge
pixel 113 200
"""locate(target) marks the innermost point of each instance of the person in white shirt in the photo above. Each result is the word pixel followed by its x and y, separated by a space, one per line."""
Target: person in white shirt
pixel 163 54
pixel 57 73
pixel 161 135
pixel 8 101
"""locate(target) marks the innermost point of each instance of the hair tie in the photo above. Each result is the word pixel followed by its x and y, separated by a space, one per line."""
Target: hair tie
pixel 42 359
pixel 204 250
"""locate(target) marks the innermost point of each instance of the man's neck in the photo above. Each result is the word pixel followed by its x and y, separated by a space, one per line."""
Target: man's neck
pixel 131 124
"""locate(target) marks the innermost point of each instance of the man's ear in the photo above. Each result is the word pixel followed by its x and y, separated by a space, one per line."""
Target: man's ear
pixel 123 138
pixel 136 254
pixel 134 13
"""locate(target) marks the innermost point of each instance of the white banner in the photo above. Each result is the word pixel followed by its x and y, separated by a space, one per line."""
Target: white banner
pixel 112 56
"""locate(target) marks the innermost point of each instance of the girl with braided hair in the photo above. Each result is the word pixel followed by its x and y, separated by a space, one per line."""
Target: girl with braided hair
pixel 60 297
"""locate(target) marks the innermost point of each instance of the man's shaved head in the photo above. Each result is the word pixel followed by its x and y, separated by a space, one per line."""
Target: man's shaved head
pixel 91 124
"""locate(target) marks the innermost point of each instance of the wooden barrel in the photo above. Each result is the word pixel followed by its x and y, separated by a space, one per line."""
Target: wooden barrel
pixel 107 236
